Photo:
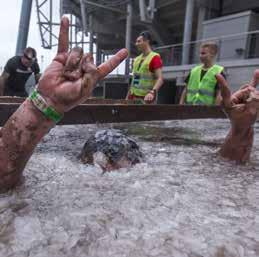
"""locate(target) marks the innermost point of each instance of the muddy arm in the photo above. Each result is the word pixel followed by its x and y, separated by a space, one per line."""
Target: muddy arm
pixel 18 138
pixel 67 82
pixel 242 114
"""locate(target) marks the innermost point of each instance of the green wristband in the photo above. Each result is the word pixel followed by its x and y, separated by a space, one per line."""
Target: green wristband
pixel 42 105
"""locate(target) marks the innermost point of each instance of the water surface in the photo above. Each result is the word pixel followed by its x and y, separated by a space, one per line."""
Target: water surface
pixel 183 200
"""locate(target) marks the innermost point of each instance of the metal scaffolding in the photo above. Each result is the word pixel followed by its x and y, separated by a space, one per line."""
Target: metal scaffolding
pixel 84 15
pixel 48 27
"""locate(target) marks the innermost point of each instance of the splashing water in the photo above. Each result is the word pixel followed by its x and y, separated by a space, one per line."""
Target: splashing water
pixel 183 200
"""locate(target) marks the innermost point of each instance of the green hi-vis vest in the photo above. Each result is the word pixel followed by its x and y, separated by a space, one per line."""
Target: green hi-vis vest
pixel 202 91
pixel 143 80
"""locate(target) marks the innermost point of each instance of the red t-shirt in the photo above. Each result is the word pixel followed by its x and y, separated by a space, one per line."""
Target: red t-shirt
pixel 155 63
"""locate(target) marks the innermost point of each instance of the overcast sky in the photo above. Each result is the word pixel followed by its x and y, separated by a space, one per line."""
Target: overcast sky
pixel 9 24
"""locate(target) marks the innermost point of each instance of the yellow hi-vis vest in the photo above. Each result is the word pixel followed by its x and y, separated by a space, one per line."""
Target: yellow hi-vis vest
pixel 202 91
pixel 143 80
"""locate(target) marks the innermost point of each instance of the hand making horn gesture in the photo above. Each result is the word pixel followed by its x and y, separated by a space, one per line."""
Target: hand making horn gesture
pixel 71 76
pixel 67 82
pixel 242 109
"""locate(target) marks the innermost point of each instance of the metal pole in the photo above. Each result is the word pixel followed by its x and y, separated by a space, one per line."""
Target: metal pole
pixel 98 53
pixel 201 18
pixel 83 15
pixel 61 8
pixel 128 36
pixel 187 31
pixel 152 8
pixel 50 21
pixel 71 32
pixel 99 56
pixel 75 31
pixel 24 26
pixel 91 39
pixel 142 10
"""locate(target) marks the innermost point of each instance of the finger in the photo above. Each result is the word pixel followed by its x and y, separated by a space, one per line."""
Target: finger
pixel 253 97
pixel 245 86
pixel 87 64
pixel 105 68
pixel 241 95
pixel 240 107
pixel 72 67
pixel 87 85
pixel 224 90
pixel 63 35
pixel 255 79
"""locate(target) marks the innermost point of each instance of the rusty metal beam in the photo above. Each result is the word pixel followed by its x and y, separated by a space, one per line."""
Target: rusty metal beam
pixel 112 113
pixel 94 100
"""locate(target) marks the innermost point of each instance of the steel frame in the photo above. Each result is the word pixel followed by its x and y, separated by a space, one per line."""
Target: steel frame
pixel 44 9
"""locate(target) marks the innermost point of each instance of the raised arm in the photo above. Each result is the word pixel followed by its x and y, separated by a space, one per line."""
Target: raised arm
pixel 67 82
pixel 242 108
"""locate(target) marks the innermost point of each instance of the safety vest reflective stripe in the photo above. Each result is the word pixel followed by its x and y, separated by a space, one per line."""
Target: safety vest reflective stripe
pixel 143 80
pixel 202 91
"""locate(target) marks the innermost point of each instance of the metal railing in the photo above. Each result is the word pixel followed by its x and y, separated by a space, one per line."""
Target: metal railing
pixel 231 47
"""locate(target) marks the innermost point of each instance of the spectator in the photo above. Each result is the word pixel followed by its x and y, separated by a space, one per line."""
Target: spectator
pixel 147 71
pixel 17 71
pixel 201 84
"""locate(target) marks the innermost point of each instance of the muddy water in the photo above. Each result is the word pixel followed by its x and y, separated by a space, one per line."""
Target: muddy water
pixel 182 200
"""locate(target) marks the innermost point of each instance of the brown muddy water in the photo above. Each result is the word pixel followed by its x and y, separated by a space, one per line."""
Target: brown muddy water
pixel 183 200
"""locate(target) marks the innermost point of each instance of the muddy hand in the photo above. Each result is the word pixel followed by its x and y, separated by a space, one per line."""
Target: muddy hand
pixel 255 79
pixel 238 106
pixel 242 108
pixel 71 77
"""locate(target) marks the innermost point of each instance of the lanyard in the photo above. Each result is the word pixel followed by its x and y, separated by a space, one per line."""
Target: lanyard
pixel 140 64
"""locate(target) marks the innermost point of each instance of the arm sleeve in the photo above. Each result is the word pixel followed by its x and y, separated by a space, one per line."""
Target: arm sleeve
pixel 187 78
pixel 155 63
pixel 10 66
pixel 36 68
pixel 224 76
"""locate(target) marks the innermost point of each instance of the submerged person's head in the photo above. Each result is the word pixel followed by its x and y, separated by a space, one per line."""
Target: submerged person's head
pixel 143 41
pixel 208 52
pixel 29 56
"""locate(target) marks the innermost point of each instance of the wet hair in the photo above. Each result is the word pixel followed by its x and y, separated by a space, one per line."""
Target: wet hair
pixel 213 47
pixel 31 50
pixel 146 36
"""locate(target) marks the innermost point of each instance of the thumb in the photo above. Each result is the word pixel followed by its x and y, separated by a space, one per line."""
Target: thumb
pixel 224 90
pixel 255 79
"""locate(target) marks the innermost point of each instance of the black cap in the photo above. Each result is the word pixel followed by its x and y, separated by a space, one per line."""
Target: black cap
pixel 31 50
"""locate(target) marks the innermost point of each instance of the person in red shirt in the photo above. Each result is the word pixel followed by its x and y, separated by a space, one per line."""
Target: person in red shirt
pixel 147 71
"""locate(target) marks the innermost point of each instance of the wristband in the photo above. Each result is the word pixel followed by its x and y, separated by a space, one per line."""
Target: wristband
pixel 40 103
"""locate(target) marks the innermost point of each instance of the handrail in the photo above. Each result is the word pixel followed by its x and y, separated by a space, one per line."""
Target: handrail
pixel 207 39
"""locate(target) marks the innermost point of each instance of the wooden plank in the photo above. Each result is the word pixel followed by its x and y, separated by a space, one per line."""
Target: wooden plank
pixel 112 113
pixel 11 99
